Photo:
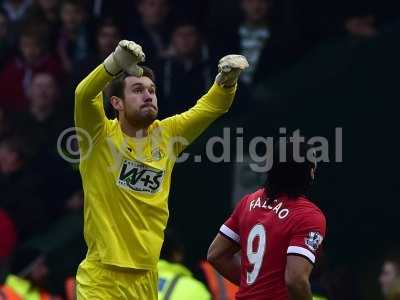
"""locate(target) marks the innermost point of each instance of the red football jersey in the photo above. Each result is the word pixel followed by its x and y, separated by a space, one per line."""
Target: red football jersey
pixel 267 233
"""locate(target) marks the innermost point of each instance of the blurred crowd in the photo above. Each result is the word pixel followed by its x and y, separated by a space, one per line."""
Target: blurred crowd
pixel 48 46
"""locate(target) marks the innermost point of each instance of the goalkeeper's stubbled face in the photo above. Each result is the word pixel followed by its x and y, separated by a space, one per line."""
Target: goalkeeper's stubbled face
pixel 140 101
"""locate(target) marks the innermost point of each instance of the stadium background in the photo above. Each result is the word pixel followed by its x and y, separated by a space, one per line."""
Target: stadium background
pixel 327 64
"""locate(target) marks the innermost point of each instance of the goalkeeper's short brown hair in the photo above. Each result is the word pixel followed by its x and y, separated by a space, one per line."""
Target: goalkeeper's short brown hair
pixel 117 85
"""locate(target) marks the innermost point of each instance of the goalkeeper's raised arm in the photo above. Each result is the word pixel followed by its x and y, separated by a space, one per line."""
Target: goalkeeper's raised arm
pixel 89 112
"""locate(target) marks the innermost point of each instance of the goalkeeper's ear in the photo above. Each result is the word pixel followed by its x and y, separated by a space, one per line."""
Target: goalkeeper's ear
pixel 117 103
pixel 115 92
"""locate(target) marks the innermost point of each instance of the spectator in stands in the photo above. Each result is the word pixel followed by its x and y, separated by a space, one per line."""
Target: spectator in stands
pixel 44 118
pixel 189 63
pixel 103 9
pixel 45 13
pixel 44 121
pixel 8 240
pixel 254 32
pixel 72 45
pixel 361 26
pixel 390 276
pixel 29 272
pixel 3 24
pixel 108 35
pixel 12 156
pixel 267 44
pixel 48 9
pixel 153 29
pixel 5 40
pixel 175 281
pixel 16 9
pixel 19 192
pixel 43 96
pixel 16 76
pixel 107 38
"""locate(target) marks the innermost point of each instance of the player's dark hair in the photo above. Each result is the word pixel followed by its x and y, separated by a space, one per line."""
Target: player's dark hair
pixel 290 175
pixel 117 85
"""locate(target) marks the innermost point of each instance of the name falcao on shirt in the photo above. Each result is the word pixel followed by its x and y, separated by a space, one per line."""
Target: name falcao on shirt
pixel 275 206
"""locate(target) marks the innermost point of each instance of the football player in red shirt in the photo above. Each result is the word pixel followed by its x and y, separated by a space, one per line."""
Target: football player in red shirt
pixel 269 244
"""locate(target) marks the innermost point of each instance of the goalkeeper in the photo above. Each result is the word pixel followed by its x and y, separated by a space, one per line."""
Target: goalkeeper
pixel 127 171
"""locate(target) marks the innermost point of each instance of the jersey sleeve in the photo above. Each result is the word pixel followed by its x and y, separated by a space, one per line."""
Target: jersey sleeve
pixel 188 125
pixel 230 229
pixel 308 235
pixel 89 111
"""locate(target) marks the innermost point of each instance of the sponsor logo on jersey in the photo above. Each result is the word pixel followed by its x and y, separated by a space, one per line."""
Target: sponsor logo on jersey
pixel 139 177
pixel 313 240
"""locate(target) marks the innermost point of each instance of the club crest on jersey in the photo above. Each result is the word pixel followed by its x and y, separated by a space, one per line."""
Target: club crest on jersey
pixel 313 240
pixel 157 154
pixel 139 177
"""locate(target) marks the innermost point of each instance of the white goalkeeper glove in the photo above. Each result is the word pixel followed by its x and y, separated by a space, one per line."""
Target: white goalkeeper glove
pixel 126 57
pixel 229 69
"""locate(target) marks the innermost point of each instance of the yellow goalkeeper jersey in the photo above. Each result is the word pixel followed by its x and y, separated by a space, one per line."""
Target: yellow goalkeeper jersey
pixel 127 180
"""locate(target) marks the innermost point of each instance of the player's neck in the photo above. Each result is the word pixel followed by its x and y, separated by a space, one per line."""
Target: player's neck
pixel 133 131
